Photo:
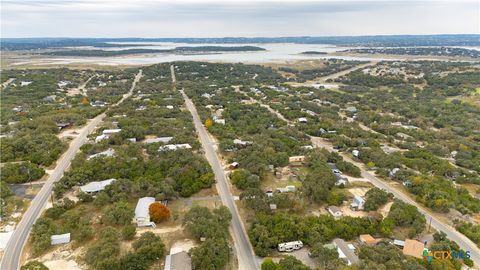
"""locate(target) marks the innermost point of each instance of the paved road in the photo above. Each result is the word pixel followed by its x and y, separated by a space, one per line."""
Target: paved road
pixel 13 250
pixel 245 255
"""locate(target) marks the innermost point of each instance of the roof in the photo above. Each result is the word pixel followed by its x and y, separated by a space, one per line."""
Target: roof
pixel 158 139
pixel 334 209
pixel 60 238
pixel 399 242
pixel 413 248
pixel 108 153
pixel 111 131
pixel 178 261
pixel 174 147
pixel 141 210
pixel 96 185
pixel 367 239
pixel 347 252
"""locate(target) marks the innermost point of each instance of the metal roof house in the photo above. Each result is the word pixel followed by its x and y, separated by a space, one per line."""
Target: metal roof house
pixel 96 186
pixel 108 153
pixel 142 214
pixel 335 211
pixel 158 139
pixel 60 239
pixel 345 252
pixel 178 261
pixel 357 203
pixel 172 147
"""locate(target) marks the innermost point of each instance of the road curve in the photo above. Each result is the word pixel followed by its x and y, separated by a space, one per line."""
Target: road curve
pixel 245 255
pixel 14 248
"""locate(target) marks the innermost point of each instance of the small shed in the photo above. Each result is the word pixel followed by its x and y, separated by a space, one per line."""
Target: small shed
pixel 58 239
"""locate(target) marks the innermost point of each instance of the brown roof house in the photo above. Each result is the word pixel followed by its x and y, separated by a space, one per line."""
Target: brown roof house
pixel 413 248
pixel 367 239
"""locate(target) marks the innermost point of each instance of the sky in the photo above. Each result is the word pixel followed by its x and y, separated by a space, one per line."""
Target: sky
pixel 227 18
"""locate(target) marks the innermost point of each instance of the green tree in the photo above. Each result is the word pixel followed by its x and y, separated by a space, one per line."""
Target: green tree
pixel 211 254
pixel 34 265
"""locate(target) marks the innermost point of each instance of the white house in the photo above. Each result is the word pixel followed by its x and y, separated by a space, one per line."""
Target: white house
pixel 142 214
pixel 111 131
pixel 96 186
pixel 302 120
pixel 100 138
pixel 335 211
pixel 60 239
pixel 173 147
pixel 107 153
pixel 355 153
pixel 290 246
pixel 358 203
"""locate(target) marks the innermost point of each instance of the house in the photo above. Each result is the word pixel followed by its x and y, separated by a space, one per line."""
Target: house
pixel 290 246
pixel 239 142
pixel 233 165
pixel 25 83
pixel 158 140
pixel 218 120
pixel 335 211
pixel 100 138
pixel 96 186
pixel 170 107
pixel 355 153
pixel 142 214
pixel 351 109
pixel 98 103
pixel 60 239
pixel 294 159
pixel 107 153
pixel 399 243
pixel 367 239
pixel 357 203
pixel 341 180
pixel 109 132
pixel 286 189
pixel 413 248
pixel 173 147
pixel 63 125
pixel 345 251
pixel 178 261
pixel 273 206
pixel 269 193
pixel 132 139
pixel 393 172
pixel 302 120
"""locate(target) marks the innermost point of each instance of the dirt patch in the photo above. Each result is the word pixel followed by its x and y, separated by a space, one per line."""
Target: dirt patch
pixel 385 209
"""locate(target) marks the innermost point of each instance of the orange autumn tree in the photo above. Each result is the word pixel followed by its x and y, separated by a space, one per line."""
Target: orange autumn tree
pixel 158 212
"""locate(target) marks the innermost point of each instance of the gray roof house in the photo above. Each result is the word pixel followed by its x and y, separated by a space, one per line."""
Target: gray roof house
pixel 96 186
pixel 178 261
pixel 345 252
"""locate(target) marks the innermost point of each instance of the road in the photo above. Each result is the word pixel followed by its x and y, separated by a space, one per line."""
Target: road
pixel 346 71
pixel 438 224
pixel 464 243
pixel 13 251
pixel 245 255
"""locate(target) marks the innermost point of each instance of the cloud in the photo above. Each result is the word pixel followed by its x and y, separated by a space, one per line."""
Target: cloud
pixel 197 18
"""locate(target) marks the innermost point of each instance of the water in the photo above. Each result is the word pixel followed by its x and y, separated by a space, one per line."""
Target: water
pixel 275 52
